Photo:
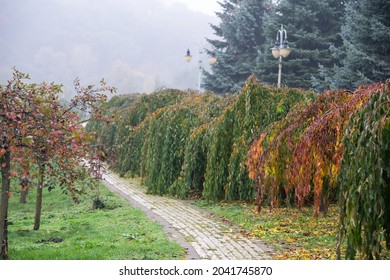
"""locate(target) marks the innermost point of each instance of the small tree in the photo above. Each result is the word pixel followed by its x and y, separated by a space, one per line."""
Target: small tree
pixel 33 118
pixel 60 142
pixel 16 111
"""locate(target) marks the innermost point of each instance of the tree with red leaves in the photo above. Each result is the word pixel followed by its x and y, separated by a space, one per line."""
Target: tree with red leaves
pixel 33 119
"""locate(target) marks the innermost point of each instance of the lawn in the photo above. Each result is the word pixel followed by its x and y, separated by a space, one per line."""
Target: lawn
pixel 77 232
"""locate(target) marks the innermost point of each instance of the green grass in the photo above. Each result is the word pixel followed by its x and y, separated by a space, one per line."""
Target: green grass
pixel 118 232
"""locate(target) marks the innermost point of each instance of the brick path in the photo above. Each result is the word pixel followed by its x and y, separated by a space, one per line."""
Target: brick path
pixel 203 235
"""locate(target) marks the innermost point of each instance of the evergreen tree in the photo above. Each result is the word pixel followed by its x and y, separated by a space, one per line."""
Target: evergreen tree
pixel 312 27
pixel 241 34
pixel 364 56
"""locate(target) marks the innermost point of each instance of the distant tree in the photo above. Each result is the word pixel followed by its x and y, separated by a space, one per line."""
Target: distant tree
pixel 364 56
pixel 241 33
pixel 312 27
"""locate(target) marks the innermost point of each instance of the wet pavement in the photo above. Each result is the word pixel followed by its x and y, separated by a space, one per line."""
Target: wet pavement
pixel 203 235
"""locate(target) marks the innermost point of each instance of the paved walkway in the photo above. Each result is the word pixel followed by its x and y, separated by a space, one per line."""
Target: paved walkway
pixel 203 235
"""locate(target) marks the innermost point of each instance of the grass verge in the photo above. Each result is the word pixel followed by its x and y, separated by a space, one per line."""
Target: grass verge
pixel 293 234
pixel 77 232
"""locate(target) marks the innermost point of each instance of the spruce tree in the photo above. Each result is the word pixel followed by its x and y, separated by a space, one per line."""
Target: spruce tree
pixel 241 34
pixel 312 27
pixel 364 56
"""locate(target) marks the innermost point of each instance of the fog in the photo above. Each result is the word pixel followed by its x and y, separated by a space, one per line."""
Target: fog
pixel 136 46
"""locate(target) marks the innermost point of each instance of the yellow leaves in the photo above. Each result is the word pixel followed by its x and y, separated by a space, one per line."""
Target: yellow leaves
pixel 289 239
pixel 296 234
pixel 303 254
pixel 270 170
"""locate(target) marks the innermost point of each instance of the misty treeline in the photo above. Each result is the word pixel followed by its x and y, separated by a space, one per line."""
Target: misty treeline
pixel 138 46
pixel 334 44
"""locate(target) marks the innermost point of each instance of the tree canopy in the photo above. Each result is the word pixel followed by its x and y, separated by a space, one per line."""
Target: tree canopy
pixel 246 35
pixel 364 56
pixel 240 35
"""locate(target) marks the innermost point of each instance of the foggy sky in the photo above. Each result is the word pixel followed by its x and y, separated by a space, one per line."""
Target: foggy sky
pixel 137 46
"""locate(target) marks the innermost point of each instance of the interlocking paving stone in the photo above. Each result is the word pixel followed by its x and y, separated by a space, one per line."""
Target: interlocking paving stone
pixel 204 236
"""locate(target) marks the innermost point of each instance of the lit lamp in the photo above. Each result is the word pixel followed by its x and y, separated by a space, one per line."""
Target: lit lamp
pixel 188 56
pixel 280 50
pixel 212 60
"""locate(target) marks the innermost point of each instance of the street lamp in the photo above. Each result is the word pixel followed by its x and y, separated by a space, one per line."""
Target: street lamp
pixel 212 59
pixel 280 50
pixel 188 57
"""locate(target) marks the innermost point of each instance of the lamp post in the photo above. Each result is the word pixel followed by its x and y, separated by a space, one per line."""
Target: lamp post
pixel 188 57
pixel 280 50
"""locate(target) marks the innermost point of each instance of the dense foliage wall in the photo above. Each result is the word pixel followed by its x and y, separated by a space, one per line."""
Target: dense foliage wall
pixel 364 178
pixel 336 148
pixel 301 154
pixel 191 144
pixel 275 146
pixel 123 138
pixel 168 139
pixel 256 107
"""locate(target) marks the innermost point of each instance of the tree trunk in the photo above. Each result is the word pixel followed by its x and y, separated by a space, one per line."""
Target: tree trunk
pixel 5 163
pixel 38 203
pixel 24 182
pixel 23 195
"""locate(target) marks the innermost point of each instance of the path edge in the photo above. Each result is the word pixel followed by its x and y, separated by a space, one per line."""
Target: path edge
pixel 173 234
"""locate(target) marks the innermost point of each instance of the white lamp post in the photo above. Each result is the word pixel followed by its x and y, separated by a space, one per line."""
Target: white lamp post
pixel 188 58
pixel 280 50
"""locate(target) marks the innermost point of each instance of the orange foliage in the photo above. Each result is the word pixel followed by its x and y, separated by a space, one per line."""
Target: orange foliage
pixel 303 151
